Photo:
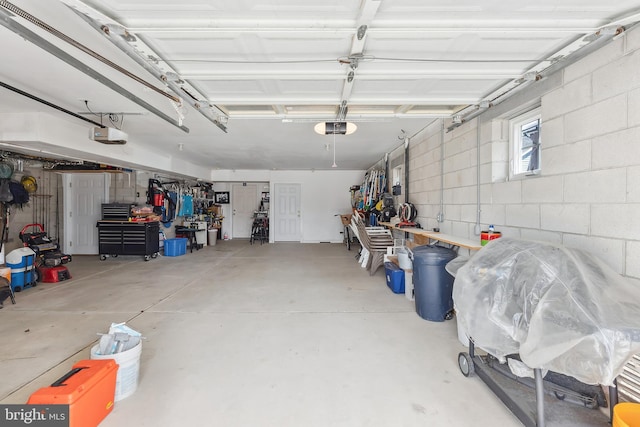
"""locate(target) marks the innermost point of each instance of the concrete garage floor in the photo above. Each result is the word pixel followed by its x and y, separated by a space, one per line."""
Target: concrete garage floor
pixel 279 335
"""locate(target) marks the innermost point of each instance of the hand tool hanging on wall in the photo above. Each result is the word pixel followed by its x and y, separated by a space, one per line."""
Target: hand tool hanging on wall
pixel 155 194
pixel 372 188
pixel 160 199
pixel 170 211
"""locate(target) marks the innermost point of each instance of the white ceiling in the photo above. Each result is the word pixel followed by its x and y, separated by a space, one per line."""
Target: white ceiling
pixel 270 69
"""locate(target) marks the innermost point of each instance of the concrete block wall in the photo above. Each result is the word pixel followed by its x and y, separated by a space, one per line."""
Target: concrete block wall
pixel 588 192
pixel 124 189
pixel 456 174
pixel 424 175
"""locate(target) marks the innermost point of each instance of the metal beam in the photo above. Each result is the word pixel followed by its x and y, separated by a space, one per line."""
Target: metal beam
pixel 368 10
pixel 48 104
pixel 450 74
pixel 8 22
pixel 404 32
pixel 116 34
pixel 48 28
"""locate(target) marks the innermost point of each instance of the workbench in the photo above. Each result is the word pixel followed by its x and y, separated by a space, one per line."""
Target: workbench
pixel 422 236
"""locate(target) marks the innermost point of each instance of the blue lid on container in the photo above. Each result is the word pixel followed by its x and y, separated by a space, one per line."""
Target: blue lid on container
pixel 391 266
pixel 429 254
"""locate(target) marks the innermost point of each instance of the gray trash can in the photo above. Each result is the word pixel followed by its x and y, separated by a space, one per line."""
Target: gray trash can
pixel 433 285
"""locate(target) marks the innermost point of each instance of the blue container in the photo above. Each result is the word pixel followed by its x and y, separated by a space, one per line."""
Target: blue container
pixel 21 261
pixel 175 247
pixel 395 277
pixel 433 285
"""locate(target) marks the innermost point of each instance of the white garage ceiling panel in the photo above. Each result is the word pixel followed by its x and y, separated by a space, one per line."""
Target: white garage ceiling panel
pixel 268 70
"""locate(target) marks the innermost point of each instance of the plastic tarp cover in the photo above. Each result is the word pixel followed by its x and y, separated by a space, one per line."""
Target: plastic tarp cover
pixel 560 309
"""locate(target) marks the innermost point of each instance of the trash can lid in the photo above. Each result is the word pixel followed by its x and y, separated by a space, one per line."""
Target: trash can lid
pixel 429 254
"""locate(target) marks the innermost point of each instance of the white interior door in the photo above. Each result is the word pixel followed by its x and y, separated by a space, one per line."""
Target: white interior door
pixel 84 194
pixel 286 213
pixel 244 202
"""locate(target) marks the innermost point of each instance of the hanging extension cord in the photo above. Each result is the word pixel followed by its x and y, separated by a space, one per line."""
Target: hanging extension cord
pixel 334 151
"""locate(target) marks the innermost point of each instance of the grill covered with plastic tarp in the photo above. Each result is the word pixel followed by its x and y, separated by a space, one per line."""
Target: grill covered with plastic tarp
pixel 558 308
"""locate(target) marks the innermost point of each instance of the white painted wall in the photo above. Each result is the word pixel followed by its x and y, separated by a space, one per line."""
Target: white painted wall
pixel 588 193
pixel 227 209
pixel 323 195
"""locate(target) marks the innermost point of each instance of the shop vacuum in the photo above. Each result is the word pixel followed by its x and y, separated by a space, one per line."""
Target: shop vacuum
pixel 49 259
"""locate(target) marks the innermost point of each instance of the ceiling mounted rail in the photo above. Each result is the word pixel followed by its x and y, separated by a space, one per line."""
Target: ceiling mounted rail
pixel 569 54
pixel 8 22
pixel 120 37
pixel 573 51
pixel 431 26
pixel 47 103
pixel 41 24
pixel 368 10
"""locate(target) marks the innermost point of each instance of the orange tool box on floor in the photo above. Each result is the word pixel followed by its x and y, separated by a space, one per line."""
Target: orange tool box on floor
pixel 88 389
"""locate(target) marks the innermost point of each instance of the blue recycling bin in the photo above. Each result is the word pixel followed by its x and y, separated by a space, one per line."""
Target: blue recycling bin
pixel 433 285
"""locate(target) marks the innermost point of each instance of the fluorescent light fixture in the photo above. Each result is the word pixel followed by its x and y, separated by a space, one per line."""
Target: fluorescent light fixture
pixel 333 128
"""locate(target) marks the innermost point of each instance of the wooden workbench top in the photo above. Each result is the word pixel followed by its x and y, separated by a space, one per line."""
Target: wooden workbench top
pixel 119 221
pixel 441 237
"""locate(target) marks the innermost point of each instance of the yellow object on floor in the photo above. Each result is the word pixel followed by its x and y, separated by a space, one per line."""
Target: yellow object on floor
pixel 626 414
